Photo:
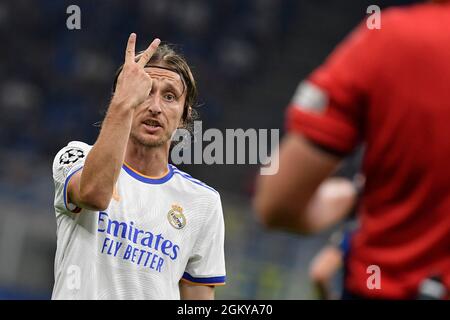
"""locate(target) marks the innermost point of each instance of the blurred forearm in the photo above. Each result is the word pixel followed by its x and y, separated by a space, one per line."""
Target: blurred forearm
pixel 331 203
pixel 281 200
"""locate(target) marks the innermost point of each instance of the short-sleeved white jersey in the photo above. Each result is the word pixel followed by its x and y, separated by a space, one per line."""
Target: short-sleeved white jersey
pixel 154 233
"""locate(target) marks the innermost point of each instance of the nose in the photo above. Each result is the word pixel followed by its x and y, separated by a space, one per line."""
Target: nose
pixel 154 105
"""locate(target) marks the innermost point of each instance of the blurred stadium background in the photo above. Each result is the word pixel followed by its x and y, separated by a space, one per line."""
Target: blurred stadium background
pixel 247 56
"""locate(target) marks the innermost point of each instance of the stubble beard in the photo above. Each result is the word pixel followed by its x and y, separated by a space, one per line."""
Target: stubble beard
pixel 149 143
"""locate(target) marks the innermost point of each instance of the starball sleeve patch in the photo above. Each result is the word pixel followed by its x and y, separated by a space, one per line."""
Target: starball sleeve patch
pixel 71 156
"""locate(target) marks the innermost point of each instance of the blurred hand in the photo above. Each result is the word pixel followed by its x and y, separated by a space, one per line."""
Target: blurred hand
pixel 134 84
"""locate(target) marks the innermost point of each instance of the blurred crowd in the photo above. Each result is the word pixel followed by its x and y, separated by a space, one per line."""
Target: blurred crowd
pixel 56 81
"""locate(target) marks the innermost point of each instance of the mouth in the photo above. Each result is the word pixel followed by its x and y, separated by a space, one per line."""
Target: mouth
pixel 152 125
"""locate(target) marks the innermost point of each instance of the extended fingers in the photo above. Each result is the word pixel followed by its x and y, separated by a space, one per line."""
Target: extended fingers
pixel 130 51
pixel 149 52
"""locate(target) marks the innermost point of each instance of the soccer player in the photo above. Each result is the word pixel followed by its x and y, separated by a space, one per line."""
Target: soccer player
pixel 389 89
pixel 129 224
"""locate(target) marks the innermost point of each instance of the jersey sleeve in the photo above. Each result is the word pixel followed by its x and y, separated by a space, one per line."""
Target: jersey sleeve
pixel 68 161
pixel 206 266
pixel 328 107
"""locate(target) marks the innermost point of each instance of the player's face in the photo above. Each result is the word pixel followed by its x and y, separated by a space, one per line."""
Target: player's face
pixel 160 114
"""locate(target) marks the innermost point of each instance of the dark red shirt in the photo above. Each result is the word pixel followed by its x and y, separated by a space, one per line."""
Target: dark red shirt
pixel 390 89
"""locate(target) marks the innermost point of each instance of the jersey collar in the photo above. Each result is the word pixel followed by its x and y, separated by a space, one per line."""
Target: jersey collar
pixel 147 179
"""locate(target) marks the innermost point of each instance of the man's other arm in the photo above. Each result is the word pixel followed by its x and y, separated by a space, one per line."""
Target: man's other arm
pixel 283 200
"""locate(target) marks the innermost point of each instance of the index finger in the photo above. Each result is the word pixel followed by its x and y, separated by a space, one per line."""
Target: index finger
pixel 148 53
pixel 130 51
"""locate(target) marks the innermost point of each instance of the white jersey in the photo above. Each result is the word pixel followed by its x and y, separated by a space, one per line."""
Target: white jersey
pixel 154 233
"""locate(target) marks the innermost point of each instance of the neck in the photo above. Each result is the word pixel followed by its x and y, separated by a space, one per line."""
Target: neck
pixel 149 161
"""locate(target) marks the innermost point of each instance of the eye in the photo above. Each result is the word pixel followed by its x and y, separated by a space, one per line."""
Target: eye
pixel 169 97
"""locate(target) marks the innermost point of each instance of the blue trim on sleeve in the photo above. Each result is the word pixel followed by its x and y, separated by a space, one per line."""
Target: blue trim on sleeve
pixel 66 182
pixel 147 179
pixel 211 280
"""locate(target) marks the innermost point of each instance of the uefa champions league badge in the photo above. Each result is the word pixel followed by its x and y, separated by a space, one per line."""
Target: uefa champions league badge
pixel 71 156
pixel 176 217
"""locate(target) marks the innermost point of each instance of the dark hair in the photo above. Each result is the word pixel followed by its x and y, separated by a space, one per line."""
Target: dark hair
pixel 167 58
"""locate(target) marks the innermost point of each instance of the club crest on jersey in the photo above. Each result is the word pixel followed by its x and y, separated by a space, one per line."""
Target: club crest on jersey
pixel 176 217
pixel 71 156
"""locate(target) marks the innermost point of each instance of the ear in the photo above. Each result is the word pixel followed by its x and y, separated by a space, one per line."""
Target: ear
pixel 186 116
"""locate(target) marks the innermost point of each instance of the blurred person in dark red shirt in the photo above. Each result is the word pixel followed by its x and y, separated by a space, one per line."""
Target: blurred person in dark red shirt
pixel 388 88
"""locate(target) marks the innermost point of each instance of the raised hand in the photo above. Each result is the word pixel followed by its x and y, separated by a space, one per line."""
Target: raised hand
pixel 134 84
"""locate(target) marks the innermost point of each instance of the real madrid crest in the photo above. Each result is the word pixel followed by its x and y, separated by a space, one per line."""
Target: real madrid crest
pixel 176 217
